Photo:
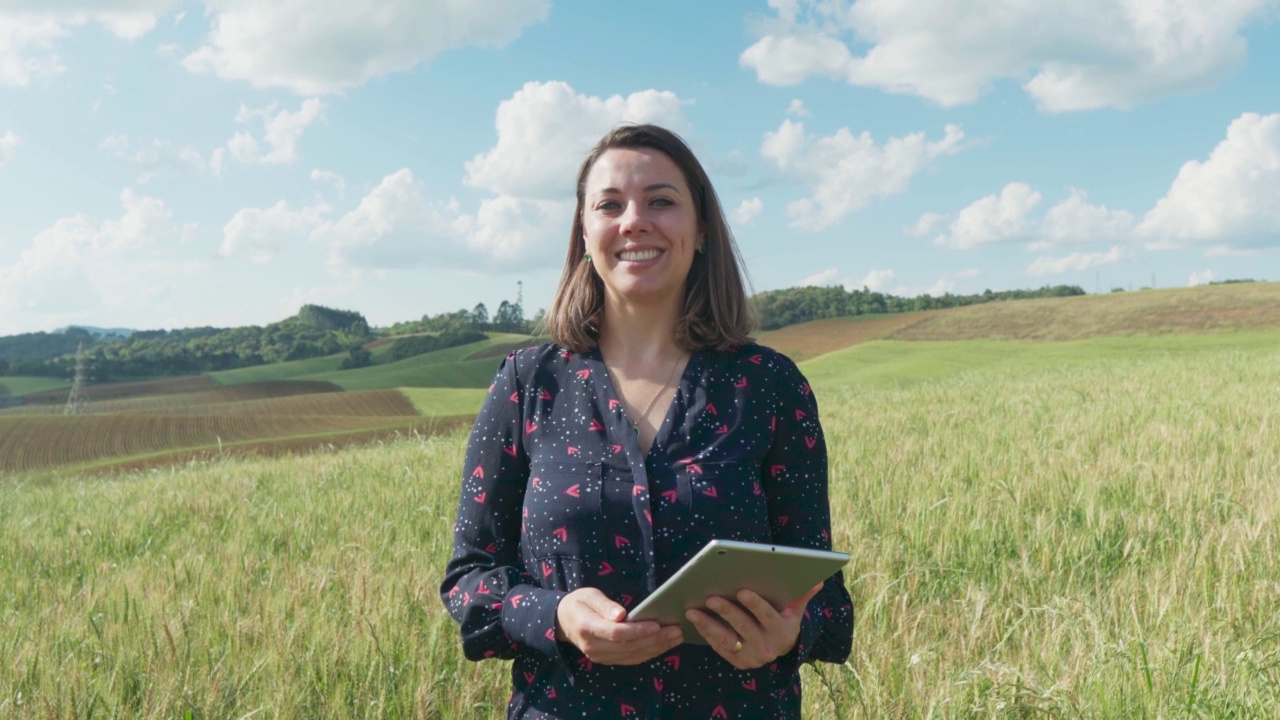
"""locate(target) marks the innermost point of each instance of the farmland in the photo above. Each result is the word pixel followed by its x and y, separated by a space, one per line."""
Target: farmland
pixel 268 409
pixel 1076 529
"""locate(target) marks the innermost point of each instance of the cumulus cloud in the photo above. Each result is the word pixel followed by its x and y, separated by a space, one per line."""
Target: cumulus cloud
pixel 1075 221
pixel 1202 277
pixel 29 30
pixel 992 219
pixel 797 108
pixel 876 280
pixel 150 158
pixel 928 224
pixel 333 178
pixel 1068 56
pixel 315 48
pixel 71 262
pixel 546 129
pixel 1232 198
pixel 260 233
pixel 822 279
pixel 281 131
pixel 845 172
pixel 747 211
pixel 1076 262
pixel 8 142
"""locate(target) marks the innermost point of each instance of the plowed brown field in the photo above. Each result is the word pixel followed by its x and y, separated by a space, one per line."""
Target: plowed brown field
pixel 198 402
pixel 38 441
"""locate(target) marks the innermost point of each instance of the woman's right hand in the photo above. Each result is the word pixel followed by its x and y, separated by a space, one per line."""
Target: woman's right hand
pixel 597 625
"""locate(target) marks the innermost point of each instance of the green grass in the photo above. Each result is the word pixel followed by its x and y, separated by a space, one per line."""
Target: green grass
pixel 1085 532
pixel 891 362
pixel 27 385
pixel 445 401
pixel 292 370
pixel 447 368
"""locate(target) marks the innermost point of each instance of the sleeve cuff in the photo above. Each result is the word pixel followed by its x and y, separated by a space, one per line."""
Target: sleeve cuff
pixel 529 618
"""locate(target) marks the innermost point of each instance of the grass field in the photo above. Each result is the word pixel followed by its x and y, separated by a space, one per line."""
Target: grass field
pixel 1077 530
pixel 28 385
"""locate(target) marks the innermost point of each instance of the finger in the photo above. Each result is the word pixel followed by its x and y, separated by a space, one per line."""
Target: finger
pixel 743 623
pixel 721 638
pixel 603 606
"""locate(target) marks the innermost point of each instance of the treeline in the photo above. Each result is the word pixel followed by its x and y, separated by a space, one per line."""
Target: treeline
pixel 779 308
pixel 313 332
pixel 509 318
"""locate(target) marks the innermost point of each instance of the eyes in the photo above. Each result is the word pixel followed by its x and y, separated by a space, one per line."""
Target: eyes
pixel 610 205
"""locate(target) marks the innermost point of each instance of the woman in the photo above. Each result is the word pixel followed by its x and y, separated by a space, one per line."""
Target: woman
pixel 603 461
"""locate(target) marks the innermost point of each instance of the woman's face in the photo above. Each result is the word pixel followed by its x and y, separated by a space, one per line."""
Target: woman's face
pixel 640 226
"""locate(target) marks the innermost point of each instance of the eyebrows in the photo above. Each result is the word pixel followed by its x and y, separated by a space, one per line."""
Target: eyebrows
pixel 647 188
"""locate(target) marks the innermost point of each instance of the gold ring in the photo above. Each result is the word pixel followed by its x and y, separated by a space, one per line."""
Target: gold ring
pixel 737 648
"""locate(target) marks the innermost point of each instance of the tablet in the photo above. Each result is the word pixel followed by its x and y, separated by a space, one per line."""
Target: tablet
pixel 778 573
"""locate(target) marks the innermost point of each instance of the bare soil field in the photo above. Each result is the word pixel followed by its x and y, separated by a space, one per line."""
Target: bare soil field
pixel 111 391
pixel 39 441
pixel 197 402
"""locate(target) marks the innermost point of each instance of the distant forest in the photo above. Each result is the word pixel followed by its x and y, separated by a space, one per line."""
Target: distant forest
pixel 318 331
pixel 780 308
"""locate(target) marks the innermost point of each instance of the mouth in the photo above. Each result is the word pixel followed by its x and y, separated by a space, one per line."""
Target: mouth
pixel 639 255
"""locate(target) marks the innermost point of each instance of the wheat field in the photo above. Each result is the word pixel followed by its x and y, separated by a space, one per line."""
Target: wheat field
pixel 1086 539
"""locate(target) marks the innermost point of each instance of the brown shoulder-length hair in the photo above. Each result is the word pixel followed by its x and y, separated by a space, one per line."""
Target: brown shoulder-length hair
pixel 716 312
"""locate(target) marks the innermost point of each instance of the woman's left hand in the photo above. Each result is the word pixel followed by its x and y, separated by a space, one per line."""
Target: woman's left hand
pixel 764 633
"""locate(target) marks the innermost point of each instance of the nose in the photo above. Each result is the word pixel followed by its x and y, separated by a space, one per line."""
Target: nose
pixel 634 220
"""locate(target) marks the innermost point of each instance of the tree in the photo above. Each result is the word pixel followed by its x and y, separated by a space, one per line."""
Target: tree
pixel 480 317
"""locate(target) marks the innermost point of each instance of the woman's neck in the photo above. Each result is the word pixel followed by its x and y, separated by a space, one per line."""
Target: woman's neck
pixel 632 335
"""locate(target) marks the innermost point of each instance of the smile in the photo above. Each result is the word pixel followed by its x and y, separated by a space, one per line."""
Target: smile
pixel 638 255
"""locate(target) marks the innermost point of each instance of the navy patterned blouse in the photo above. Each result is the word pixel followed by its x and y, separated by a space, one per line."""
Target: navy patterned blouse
pixel 557 494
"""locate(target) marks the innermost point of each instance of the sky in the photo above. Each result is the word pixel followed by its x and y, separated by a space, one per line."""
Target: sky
pixel 166 163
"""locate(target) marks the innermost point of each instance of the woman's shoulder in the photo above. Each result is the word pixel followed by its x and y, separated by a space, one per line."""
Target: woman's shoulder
pixel 755 355
pixel 546 357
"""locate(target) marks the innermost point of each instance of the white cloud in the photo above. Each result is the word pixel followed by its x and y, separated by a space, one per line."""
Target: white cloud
pixel 992 219
pixel 1075 262
pixel 1069 56
pixel 928 224
pixel 260 233
pixel 71 264
pixel 546 129
pixel 338 182
pixel 281 131
pixel 8 142
pixel 1076 221
pixel 822 279
pixel 153 157
pixel 797 108
pixel 316 47
pixel 394 225
pixel 1232 198
pixel 747 211
pixel 845 172
pixel 969 273
pixel 876 280
pixel 29 30
pixel 1202 277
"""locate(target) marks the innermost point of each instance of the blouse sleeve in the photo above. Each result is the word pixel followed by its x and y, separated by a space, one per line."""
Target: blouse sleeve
pixel 795 477
pixel 498 606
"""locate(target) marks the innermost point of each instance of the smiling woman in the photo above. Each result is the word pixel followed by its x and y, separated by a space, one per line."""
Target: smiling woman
pixel 602 461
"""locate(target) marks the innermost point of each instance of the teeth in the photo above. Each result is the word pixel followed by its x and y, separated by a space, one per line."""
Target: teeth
pixel 639 255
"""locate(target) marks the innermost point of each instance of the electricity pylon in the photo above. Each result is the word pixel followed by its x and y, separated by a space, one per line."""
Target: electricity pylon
pixel 78 401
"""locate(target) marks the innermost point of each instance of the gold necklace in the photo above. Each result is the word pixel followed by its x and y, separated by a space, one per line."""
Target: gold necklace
pixel 667 383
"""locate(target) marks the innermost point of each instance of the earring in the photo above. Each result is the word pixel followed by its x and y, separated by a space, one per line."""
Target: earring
pixel 586 256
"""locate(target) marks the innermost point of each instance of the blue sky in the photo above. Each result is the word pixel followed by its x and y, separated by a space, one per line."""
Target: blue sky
pixel 171 164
